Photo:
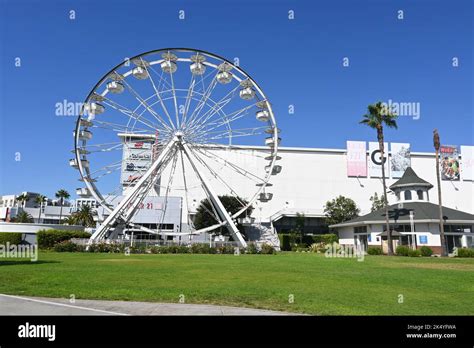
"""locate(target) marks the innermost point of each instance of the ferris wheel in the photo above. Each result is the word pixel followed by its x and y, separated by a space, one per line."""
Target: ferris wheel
pixel 172 122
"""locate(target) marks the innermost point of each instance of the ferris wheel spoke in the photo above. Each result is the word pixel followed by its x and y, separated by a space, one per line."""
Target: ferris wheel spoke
pixel 168 189
pixel 175 100
pixel 195 117
pixel 129 113
pixel 188 210
pixel 226 120
pixel 145 104
pixel 189 98
pixel 230 165
pixel 198 121
pixel 163 106
pixel 219 178
pixel 231 133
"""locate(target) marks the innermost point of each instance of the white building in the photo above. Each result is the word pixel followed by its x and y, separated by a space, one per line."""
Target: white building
pixel 310 177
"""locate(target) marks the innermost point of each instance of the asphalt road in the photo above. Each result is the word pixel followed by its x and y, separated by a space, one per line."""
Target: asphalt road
pixel 22 305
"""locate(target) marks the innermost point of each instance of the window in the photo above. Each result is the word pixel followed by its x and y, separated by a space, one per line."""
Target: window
pixel 398 195
pixel 407 195
pixel 360 229
pixel 401 228
pixel 420 194
pixel 458 228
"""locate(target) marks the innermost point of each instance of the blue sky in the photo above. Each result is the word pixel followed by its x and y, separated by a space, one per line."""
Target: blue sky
pixel 296 62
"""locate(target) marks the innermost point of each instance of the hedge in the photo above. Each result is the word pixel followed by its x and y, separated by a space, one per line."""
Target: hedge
pixel 402 250
pixel 12 238
pixel 374 251
pixel 426 251
pixel 285 240
pixel 465 252
pixel 49 238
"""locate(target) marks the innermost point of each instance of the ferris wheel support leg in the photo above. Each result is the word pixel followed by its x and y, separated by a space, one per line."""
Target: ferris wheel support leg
pixel 224 215
pixel 131 195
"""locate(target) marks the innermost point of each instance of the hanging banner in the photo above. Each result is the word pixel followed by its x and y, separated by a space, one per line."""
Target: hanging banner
pixel 449 162
pixel 400 159
pixel 356 159
pixel 375 160
pixel 467 161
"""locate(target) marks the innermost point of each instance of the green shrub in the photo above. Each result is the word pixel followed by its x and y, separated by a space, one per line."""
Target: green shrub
pixel 68 246
pixel 374 251
pixel 103 247
pixel 49 238
pixel 426 251
pixel 465 252
pixel 251 249
pixel 414 253
pixel 288 241
pixel 299 247
pixel 326 238
pixel 202 248
pixel 402 250
pixel 226 249
pixel 267 249
pixel 12 238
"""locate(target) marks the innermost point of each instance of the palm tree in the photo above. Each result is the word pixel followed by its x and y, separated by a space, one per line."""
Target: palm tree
pixel 62 194
pixel 22 199
pixel 437 144
pixel 377 117
pixel 40 199
pixel 84 216
pixel 23 216
pixel 70 220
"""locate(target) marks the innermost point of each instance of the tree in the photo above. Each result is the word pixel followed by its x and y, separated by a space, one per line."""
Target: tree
pixel 300 222
pixel 23 198
pixel 377 117
pixel 437 144
pixel 84 217
pixel 340 209
pixel 205 215
pixel 69 220
pixel 23 217
pixel 62 195
pixel 377 203
pixel 40 199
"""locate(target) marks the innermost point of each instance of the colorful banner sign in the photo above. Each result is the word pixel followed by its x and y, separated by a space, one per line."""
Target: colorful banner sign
pixel 375 160
pixel 356 159
pixel 449 162
pixel 467 161
pixel 400 159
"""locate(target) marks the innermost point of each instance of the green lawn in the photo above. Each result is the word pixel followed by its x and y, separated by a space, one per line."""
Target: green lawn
pixel 326 286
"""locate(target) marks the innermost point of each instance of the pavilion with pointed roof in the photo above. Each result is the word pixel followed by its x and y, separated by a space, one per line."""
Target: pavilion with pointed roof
pixel 414 221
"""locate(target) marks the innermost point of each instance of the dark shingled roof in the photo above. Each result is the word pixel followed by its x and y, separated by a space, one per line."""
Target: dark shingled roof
pixel 422 211
pixel 410 178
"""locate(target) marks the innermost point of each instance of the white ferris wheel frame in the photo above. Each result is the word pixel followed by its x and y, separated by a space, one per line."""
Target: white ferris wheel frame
pixel 131 197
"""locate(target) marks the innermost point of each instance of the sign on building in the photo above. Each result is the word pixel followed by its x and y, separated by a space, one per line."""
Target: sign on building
pixel 356 158
pixel 450 169
pixel 467 160
pixel 136 159
pixel 400 159
pixel 375 160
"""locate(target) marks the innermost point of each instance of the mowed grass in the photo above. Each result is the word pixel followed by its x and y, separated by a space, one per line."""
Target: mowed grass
pixel 319 285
